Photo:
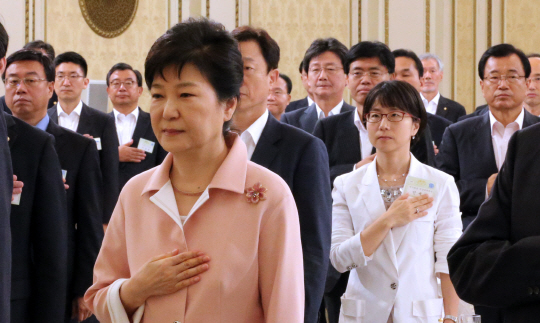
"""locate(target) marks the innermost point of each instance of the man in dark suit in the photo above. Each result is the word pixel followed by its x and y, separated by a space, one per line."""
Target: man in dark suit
pixel 409 69
pixel 495 262
pixel 79 162
pixel 139 149
pixel 324 64
pixel 473 150
pixel 71 113
pixel 434 102
pixel 298 157
pixel 39 221
pixel 6 185
pixel 280 96
pixel 307 101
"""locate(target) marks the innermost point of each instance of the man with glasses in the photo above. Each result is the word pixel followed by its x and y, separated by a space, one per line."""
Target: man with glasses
pixel 280 96
pixel 532 101
pixel 139 149
pixel 474 149
pixel 324 63
pixel 71 113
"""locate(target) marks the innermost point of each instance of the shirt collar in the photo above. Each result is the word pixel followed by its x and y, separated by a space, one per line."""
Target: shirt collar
pixel 257 127
pixel 44 123
pixel 231 174
pixel 519 119
pixel 135 113
pixel 77 110
pixel 309 100
pixel 358 122
pixel 435 99
pixel 333 112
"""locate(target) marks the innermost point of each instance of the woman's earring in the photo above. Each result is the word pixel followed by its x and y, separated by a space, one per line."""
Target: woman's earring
pixel 413 137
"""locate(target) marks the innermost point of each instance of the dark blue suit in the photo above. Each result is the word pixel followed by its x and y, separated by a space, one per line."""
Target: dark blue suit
pixel 302 161
pixel 306 118
pixel 6 189
pixel 298 104
pixel 496 261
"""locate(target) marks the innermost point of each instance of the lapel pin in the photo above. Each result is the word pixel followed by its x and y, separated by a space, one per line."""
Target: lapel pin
pixel 256 193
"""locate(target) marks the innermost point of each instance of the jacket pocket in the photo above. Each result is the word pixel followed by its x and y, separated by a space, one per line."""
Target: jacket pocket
pixel 427 308
pixel 352 310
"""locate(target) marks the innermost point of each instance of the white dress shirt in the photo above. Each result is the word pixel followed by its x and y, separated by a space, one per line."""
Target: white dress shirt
pixel 334 111
pixel 431 106
pixel 365 144
pixel 500 135
pixel 69 121
pixel 252 134
pixel 125 125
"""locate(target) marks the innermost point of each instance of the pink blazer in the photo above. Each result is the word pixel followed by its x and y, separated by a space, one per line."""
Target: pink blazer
pixel 256 268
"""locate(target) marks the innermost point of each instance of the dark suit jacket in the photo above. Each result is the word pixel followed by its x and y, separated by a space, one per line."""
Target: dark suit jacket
pixel 101 125
pixel 38 227
pixel 495 262
pixel 78 156
pixel 294 105
pixel 143 129
pixel 449 109
pixel 467 154
pixel 6 189
pixel 3 106
pixel 306 118
pixel 301 160
pixel 437 126
pixel 480 110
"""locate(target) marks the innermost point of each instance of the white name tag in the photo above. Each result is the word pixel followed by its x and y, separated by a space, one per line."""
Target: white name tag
pixel 146 145
pixel 64 174
pixel 17 199
pixel 98 143
pixel 417 186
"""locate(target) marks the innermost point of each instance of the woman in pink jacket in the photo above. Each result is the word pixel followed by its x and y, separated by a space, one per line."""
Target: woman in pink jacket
pixel 207 236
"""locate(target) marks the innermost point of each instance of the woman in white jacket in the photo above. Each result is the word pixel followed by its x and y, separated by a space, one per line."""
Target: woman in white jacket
pixel 395 245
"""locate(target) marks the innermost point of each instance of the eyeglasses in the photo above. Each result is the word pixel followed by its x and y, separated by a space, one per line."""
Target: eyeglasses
pixel 535 79
pixel 396 116
pixel 510 79
pixel 330 70
pixel 127 84
pixel 13 82
pixel 375 75
pixel 71 78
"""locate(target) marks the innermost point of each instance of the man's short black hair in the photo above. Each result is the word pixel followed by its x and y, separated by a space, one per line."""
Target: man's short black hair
pixel 40 44
pixel 371 49
pixel 72 57
pixel 301 67
pixel 124 67
pixel 269 47
pixel 320 46
pixel 531 55
pixel 410 54
pixel 288 81
pixel 32 55
pixel 4 41
pixel 503 50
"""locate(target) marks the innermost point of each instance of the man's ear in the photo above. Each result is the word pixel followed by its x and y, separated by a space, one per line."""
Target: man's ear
pixel 392 76
pixel 2 65
pixel 273 76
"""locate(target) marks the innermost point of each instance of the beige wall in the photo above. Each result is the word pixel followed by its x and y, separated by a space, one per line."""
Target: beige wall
pixel 522 25
pixel 465 76
pixel 66 30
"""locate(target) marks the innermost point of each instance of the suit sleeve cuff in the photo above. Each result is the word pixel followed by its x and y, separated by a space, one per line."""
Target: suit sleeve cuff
pixel 116 308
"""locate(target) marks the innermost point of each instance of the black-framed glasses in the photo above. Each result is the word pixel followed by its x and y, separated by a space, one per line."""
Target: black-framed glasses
pixel 329 70
pixel 71 78
pixel 396 116
pixel 127 84
pixel 511 79
pixel 14 82
pixel 375 75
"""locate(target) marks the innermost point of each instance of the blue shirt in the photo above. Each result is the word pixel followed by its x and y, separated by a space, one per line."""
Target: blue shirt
pixel 44 123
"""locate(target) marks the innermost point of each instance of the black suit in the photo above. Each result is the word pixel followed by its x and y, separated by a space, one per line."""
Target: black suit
pixel 480 110
pixel 301 160
pixel 78 156
pixel 306 118
pixel 437 126
pixel 38 227
pixel 6 189
pixel 101 125
pixel 294 105
pixel 496 261
pixel 342 140
pixel 3 106
pixel 467 154
pixel 449 109
pixel 143 129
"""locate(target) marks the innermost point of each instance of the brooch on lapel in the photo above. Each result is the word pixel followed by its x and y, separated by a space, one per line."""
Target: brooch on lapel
pixel 256 193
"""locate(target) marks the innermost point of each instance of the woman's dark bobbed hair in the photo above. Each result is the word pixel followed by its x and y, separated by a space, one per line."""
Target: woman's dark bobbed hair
pixel 205 44
pixel 399 95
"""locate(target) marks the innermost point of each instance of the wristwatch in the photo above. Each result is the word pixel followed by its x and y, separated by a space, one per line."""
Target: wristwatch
pixel 450 317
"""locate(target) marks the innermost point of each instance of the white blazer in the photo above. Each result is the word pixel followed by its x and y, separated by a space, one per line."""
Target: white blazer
pixel 401 274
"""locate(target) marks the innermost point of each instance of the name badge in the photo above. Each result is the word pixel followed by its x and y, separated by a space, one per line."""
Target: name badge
pixel 98 143
pixel 64 174
pixel 417 186
pixel 17 199
pixel 146 145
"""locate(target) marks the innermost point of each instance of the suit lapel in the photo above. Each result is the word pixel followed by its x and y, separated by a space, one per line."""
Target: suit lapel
pixel 347 107
pixel 53 114
pixel 529 119
pixel 266 149
pixel 483 139
pixel 57 132
pixel 143 122
pixel 349 139
pixel 11 129
pixel 309 118
pixel 440 107
pixel 85 121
